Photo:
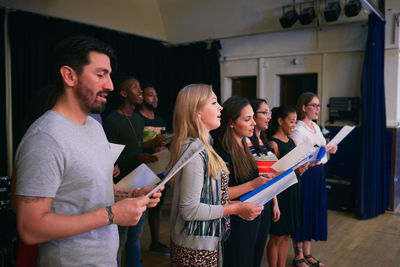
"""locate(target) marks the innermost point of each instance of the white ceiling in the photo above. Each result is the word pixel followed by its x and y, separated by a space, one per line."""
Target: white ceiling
pixel 177 21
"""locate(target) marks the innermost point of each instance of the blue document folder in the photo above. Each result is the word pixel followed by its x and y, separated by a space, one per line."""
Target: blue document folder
pixel 267 191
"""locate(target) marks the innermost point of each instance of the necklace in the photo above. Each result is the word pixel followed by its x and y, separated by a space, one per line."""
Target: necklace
pixel 132 128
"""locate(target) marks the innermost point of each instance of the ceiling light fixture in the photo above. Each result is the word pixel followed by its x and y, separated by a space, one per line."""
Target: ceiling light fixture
pixel 289 17
pixel 307 14
pixel 332 11
pixel 352 8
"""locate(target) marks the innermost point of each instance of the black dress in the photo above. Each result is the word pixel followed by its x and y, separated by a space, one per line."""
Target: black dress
pixel 239 248
pixel 289 200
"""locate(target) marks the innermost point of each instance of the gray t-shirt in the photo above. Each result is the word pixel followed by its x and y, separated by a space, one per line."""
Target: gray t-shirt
pixel 72 164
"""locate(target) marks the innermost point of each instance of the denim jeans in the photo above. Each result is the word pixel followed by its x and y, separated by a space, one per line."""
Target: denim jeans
pixel 129 236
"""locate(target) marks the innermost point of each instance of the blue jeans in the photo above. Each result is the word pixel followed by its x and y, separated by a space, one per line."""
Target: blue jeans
pixel 129 236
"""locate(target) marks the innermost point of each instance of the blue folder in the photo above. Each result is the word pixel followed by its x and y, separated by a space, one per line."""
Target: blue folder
pixel 266 185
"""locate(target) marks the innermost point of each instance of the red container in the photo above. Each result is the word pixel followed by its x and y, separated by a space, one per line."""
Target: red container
pixel 265 166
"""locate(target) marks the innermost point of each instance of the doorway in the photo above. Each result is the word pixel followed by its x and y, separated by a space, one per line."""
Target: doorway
pixel 293 85
pixel 245 86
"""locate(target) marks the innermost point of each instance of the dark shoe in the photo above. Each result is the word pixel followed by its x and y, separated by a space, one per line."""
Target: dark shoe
pixel 297 262
pixel 316 264
pixel 161 249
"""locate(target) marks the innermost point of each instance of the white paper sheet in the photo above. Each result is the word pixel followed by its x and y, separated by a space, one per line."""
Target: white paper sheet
pixel 160 165
pixel 139 177
pixel 191 151
pixel 295 158
pixel 341 135
pixel 267 191
pixel 116 150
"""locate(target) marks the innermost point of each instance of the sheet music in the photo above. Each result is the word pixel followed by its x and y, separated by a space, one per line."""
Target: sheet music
pixel 116 150
pixel 160 166
pixel 139 177
pixel 194 148
pixel 295 158
pixel 267 191
pixel 341 135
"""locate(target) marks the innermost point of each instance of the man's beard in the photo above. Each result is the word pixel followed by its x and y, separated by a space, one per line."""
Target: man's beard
pixel 149 106
pixel 86 103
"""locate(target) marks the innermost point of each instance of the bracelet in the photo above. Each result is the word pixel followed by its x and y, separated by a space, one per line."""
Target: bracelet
pixel 110 215
pixel 134 192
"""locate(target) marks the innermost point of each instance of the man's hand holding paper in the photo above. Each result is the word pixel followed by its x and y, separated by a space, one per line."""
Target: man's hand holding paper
pixel 154 198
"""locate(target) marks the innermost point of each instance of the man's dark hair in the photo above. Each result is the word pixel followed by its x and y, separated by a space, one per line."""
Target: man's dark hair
pixel 146 85
pixel 74 52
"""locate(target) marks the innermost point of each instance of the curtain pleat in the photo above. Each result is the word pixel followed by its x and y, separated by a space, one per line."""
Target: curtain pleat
pixel 374 184
pixel 3 150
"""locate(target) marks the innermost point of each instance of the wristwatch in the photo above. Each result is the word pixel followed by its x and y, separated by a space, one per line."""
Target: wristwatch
pixel 110 215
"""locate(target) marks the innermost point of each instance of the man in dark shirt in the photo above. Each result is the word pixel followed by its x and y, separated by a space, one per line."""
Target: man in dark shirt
pixel 124 126
pixel 154 141
pixel 154 125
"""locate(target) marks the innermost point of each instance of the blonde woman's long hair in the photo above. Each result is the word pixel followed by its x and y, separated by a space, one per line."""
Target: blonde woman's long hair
pixel 187 124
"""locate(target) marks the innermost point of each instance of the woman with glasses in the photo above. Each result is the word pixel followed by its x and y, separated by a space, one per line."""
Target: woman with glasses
pixel 313 197
pixel 256 143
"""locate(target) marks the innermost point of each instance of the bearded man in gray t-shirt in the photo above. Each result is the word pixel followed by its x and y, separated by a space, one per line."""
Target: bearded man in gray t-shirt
pixel 64 189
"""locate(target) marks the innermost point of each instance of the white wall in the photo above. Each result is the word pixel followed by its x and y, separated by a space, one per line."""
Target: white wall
pixel 392 63
pixel 139 17
pixel 337 60
pixel 392 85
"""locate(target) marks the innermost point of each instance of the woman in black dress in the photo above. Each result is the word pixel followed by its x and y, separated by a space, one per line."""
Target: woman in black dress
pixel 281 126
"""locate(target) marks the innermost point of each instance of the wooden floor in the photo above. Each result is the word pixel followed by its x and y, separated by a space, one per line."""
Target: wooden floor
pixel 351 242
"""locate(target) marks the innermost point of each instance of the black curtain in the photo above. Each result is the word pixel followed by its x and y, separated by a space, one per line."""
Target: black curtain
pixel 34 36
pixel 3 150
pixel 374 187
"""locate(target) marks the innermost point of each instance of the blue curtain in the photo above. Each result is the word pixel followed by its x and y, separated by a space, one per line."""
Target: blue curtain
pixel 374 184
pixel 3 150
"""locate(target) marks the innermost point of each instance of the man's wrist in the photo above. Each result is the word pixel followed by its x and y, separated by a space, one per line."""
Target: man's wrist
pixel 110 215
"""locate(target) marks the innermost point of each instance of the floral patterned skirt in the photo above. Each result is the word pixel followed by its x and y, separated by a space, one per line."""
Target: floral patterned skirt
pixel 181 256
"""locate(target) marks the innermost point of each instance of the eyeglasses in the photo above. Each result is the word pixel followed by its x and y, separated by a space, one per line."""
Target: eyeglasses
pixel 266 113
pixel 315 105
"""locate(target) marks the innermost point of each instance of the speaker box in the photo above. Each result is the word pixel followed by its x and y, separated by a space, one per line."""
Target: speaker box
pixel 340 194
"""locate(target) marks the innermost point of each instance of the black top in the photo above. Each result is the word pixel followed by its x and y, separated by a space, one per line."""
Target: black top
pixel 288 200
pixel 156 122
pixel 152 128
pixel 227 158
pixel 128 131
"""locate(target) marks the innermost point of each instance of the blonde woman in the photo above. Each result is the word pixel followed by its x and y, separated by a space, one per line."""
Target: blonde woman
pixel 200 199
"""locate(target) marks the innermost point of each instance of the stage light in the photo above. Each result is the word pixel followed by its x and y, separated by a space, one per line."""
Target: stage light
pixel 307 14
pixel 332 11
pixel 289 17
pixel 352 8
